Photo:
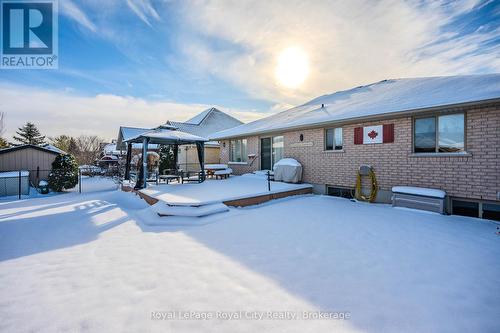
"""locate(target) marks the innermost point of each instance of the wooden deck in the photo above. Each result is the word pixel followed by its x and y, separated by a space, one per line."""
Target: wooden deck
pixel 242 202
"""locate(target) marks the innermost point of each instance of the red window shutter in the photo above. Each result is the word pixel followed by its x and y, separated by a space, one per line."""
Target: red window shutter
pixel 358 135
pixel 388 133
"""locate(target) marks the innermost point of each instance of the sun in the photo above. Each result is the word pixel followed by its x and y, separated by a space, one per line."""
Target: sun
pixel 292 68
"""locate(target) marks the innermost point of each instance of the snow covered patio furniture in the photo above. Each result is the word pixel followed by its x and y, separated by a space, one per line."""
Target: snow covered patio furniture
pixel 169 175
pixel 210 169
pixel 192 176
pixel 418 198
pixel 223 174
pixel 164 135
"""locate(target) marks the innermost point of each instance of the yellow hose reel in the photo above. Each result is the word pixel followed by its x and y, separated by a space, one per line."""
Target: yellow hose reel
pixel 367 171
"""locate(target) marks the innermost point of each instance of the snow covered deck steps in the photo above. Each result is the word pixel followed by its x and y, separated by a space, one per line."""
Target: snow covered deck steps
pixel 164 209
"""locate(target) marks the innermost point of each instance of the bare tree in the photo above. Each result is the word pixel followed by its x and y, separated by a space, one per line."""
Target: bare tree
pixel 2 123
pixel 88 148
pixel 3 142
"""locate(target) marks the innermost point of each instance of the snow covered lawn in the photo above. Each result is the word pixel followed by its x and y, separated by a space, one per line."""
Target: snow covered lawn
pixel 88 263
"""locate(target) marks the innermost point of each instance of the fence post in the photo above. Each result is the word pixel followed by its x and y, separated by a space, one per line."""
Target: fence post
pixel 269 180
pixel 19 185
pixel 79 180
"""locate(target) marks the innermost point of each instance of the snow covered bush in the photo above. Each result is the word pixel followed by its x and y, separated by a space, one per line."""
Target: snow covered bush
pixel 64 174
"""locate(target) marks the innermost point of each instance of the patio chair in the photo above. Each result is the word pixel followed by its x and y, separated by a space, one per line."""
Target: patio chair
pixel 192 176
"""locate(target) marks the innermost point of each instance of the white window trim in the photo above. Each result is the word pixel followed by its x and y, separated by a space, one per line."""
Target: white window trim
pixel 231 149
pixel 326 141
pixel 437 153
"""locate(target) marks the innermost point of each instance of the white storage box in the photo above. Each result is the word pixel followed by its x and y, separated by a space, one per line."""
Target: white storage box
pixel 418 198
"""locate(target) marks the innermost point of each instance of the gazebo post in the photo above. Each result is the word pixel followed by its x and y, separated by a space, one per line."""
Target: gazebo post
pixel 201 157
pixel 129 159
pixel 176 155
pixel 145 143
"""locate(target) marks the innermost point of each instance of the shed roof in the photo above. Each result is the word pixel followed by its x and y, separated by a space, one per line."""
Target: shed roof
pixel 44 149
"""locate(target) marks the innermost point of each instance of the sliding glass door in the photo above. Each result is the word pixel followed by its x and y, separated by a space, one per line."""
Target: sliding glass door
pixel 265 154
pixel 271 151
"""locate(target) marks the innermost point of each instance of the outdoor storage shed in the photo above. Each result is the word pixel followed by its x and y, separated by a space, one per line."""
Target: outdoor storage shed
pixel 35 159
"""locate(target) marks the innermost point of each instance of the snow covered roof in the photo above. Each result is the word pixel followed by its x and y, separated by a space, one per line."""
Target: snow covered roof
pixel 130 132
pixel 202 125
pixel 110 148
pixel 381 98
pixel 127 132
pixel 196 120
pixel 52 150
pixel 206 123
pixel 168 136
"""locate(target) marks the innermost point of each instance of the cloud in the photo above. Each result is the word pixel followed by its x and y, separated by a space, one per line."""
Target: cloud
pixel 61 112
pixel 71 10
pixel 348 42
pixel 144 10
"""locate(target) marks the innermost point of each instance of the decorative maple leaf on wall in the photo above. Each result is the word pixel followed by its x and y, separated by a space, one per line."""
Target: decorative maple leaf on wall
pixel 373 134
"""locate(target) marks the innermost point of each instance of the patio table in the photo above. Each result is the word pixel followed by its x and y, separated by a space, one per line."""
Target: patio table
pixel 211 168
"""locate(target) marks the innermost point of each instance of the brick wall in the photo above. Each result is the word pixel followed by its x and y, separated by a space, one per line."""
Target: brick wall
pixel 476 176
pixel 241 168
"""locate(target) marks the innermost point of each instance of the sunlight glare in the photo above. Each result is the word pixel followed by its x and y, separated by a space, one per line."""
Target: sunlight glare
pixel 292 68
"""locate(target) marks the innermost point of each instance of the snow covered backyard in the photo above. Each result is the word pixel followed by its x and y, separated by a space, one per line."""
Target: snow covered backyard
pixel 89 262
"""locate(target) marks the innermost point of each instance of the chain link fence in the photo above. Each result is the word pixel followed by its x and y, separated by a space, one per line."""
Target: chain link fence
pixel 23 184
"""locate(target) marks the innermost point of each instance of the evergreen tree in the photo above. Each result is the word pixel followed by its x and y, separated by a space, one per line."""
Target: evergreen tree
pixel 64 174
pixel 62 142
pixel 29 134
pixel 166 157
pixel 3 143
pixel 73 147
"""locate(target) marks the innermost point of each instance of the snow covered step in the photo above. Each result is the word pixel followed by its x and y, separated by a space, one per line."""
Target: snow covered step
pixel 191 211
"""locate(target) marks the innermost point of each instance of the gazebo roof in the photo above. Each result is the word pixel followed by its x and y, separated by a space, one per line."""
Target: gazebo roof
pixel 167 136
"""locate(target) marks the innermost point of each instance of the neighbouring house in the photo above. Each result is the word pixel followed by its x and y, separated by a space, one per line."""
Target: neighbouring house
pixel 109 149
pixel 125 133
pixel 35 159
pixel 436 132
pixel 204 124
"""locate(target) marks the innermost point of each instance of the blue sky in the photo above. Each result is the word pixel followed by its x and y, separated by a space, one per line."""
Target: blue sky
pixel 141 62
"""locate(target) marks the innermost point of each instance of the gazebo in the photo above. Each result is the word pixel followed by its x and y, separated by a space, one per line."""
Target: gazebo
pixel 163 135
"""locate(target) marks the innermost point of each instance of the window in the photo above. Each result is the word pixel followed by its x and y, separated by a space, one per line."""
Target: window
pixel 238 150
pixel 491 211
pixel 443 134
pixel 465 208
pixel 334 139
pixel 340 192
pixel 277 152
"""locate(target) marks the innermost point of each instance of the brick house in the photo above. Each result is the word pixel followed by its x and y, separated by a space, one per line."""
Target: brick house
pixel 439 132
